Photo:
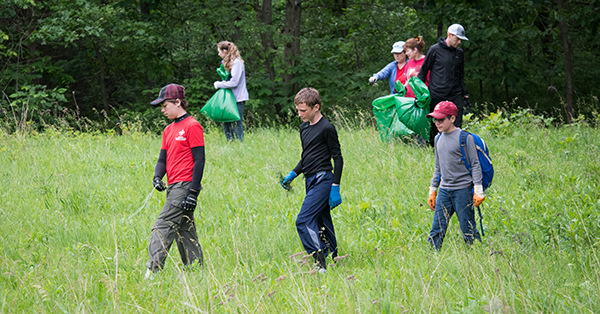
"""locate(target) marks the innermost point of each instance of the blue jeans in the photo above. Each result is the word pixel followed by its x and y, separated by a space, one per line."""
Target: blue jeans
pixel 315 215
pixel 448 202
pixel 235 130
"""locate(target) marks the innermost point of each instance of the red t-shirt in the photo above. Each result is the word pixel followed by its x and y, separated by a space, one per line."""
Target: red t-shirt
pixel 178 140
pixel 400 76
pixel 412 68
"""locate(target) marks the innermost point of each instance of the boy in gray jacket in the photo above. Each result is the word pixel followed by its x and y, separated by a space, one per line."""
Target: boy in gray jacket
pixel 459 189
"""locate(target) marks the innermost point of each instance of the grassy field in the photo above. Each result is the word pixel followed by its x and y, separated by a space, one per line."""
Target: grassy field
pixel 76 212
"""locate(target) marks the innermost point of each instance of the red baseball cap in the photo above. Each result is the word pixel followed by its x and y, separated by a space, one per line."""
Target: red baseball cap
pixel 171 91
pixel 443 109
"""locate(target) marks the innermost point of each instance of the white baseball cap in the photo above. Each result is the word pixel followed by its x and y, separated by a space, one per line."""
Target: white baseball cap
pixel 458 30
pixel 398 47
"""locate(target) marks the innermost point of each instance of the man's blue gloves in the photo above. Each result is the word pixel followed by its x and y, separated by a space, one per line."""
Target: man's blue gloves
pixel 335 198
pixel 285 183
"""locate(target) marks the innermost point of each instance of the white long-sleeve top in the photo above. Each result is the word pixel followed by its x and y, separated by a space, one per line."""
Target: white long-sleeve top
pixel 237 82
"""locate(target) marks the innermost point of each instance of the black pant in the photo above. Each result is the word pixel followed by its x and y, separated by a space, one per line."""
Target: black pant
pixel 458 101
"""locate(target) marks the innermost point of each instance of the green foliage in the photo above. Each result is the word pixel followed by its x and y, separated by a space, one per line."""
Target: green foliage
pixel 116 54
pixel 38 98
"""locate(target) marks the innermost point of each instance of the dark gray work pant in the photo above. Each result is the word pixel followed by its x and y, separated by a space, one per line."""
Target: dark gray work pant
pixel 174 224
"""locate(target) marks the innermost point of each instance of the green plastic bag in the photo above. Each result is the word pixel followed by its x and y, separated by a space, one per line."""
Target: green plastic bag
pixel 386 115
pixel 403 117
pixel 221 107
pixel 421 92
pixel 400 89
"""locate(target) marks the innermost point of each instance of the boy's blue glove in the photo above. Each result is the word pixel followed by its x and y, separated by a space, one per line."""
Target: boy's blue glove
pixel 335 198
pixel 285 183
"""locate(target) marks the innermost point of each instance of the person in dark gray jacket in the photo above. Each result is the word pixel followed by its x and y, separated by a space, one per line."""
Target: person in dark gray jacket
pixel 445 64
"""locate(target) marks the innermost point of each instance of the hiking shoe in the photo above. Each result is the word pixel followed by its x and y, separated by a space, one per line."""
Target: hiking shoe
pixel 150 274
pixel 320 263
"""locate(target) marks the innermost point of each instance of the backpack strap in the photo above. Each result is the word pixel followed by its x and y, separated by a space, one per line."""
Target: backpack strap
pixel 463 149
pixel 465 158
pixel 437 138
pixel 480 220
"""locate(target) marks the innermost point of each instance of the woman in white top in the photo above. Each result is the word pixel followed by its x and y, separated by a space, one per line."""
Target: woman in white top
pixel 234 64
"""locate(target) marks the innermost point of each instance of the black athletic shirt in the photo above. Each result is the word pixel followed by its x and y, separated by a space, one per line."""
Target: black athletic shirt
pixel 446 67
pixel 319 145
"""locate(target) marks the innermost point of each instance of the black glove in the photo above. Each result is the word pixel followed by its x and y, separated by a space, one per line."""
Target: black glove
pixel 467 106
pixel 190 201
pixel 159 185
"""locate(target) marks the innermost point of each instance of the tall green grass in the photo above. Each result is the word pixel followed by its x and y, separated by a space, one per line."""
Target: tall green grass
pixel 76 210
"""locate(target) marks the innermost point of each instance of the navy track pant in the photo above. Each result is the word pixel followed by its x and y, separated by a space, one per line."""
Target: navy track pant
pixel 315 214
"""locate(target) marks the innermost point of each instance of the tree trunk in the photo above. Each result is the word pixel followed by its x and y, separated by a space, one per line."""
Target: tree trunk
pixel 148 83
pixel 568 53
pixel 145 7
pixel 506 92
pixel 291 39
pixel 264 15
pixel 100 59
pixel 440 28
pixel 237 32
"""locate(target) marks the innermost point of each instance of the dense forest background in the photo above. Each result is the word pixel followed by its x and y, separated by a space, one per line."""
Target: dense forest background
pixel 106 59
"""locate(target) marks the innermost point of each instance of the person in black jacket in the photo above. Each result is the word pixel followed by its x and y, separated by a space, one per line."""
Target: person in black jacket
pixel 320 145
pixel 445 64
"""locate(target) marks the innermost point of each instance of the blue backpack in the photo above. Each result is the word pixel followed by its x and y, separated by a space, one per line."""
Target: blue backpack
pixel 485 161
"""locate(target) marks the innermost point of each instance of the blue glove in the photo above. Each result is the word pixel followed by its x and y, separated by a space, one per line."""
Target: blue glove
pixel 285 183
pixel 335 198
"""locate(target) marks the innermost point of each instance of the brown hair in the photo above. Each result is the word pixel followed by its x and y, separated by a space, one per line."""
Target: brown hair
pixel 232 52
pixel 415 43
pixel 184 103
pixel 308 96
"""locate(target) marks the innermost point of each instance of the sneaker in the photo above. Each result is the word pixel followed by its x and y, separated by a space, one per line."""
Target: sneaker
pixel 320 263
pixel 150 274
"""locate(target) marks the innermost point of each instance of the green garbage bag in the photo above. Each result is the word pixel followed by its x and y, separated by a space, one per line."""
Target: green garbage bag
pixel 403 117
pixel 224 74
pixel 414 117
pixel 387 117
pixel 421 92
pixel 400 89
pixel 221 107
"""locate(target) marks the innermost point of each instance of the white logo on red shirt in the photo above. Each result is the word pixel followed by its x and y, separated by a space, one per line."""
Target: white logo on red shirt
pixel 180 137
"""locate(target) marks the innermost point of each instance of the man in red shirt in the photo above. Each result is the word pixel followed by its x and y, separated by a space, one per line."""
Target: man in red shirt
pixel 182 159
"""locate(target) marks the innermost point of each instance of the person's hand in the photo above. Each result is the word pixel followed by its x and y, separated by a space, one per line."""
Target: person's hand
pixel 478 196
pixel 335 198
pixel 158 184
pixel 432 196
pixel 285 183
pixel 372 79
pixel 467 105
pixel 190 201
pixel 215 84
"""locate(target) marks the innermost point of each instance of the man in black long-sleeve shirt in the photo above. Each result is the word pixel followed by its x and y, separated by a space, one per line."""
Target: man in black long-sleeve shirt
pixel 445 63
pixel 320 144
